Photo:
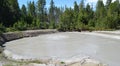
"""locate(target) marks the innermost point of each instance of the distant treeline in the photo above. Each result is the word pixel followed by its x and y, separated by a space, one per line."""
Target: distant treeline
pixel 36 16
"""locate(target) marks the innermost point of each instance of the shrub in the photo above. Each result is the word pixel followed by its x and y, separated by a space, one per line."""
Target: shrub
pixel 2 28
pixel 10 29
pixel 20 25
pixel 35 24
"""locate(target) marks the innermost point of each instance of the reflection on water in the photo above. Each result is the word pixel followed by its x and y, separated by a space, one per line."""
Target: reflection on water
pixel 68 44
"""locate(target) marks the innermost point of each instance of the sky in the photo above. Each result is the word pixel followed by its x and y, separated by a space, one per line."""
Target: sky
pixel 59 3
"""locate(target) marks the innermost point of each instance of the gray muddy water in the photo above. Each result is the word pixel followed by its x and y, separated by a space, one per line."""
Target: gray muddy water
pixel 68 44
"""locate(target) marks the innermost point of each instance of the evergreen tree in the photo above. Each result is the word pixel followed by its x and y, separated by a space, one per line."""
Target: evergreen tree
pixel 67 20
pixel 31 9
pixel 42 13
pixel 58 12
pixel 52 14
pixel 76 11
pixel 89 15
pixel 4 12
pixel 10 12
pixel 76 7
pixel 15 11
pixel 24 13
pixel 31 14
pixel 113 15
pixel 99 14
pixel 41 10
pixel 81 17
pixel 52 11
pixel 100 9
pixel 108 2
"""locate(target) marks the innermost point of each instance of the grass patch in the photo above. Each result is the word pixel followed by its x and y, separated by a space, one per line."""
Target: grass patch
pixel 62 62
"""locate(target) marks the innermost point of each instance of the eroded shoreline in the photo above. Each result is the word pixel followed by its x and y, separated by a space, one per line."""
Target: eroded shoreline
pixel 82 60
pixel 5 37
pixel 73 62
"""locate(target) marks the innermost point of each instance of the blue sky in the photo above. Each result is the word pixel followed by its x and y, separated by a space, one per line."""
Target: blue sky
pixel 59 3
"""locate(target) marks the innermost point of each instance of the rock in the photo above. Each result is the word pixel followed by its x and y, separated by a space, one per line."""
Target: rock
pixel 91 62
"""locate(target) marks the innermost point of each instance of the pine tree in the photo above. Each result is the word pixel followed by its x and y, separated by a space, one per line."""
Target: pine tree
pixel 41 10
pixel 67 20
pixel 23 12
pixel 58 12
pixel 31 9
pixel 81 16
pixel 4 12
pixel 15 11
pixel 52 11
pixel 10 12
pixel 108 2
pixel 52 14
pixel 76 7
pixel 113 15
pixel 76 11
pixel 99 14
pixel 100 9
pixel 89 15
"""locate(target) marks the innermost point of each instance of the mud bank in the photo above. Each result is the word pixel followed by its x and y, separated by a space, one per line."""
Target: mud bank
pixel 5 37
pixel 80 60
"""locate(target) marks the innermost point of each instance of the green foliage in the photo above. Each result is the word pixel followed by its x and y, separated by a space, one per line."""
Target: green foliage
pixel 3 12
pixel 76 11
pixel 41 13
pixel 31 9
pixel 84 18
pixel 15 11
pixel 91 23
pixel 11 29
pixel 44 25
pixel 67 20
pixel 52 25
pixel 62 62
pixel 81 17
pixel 2 28
pixel 52 11
pixel 20 25
pixel 23 12
pixel 108 2
pixel 35 24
